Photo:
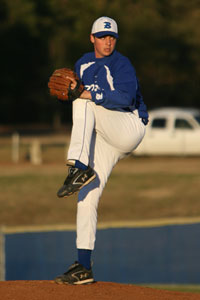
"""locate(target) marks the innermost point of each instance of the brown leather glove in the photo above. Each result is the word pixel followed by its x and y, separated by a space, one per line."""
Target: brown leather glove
pixel 60 85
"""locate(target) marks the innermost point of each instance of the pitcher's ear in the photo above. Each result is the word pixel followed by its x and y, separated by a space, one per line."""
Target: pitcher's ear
pixel 92 38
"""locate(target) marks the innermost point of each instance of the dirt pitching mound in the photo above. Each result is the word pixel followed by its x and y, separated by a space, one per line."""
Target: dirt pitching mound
pixel 48 290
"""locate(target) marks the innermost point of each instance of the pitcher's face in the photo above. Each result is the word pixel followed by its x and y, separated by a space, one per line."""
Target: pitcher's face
pixel 103 46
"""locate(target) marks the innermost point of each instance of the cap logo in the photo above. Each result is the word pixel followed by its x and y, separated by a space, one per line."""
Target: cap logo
pixel 107 25
pixel 104 26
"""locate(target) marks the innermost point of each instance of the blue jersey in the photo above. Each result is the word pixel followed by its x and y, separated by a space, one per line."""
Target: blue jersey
pixel 112 82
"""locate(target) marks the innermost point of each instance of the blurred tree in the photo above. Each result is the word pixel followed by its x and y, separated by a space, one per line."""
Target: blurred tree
pixel 25 58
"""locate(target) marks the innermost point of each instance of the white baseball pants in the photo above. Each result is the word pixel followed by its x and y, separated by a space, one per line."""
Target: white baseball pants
pixel 100 137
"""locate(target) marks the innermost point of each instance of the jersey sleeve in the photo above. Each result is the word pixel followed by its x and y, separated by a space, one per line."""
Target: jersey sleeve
pixel 119 87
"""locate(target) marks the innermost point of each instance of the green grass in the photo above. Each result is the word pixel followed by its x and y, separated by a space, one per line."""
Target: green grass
pixel 175 287
pixel 138 189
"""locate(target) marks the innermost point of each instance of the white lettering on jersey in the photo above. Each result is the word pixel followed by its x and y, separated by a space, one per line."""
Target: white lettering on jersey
pixel 99 96
pixel 84 67
pixel 109 78
pixel 92 87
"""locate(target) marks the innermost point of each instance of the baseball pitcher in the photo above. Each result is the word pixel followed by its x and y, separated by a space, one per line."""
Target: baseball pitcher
pixel 109 118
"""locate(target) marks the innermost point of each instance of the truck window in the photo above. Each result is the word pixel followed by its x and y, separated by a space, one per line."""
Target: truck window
pixel 159 123
pixel 182 124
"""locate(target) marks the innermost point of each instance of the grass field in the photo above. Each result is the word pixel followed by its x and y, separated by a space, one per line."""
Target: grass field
pixel 176 287
pixel 139 189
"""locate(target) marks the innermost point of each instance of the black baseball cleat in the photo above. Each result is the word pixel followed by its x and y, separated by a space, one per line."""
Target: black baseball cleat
pixel 76 274
pixel 76 179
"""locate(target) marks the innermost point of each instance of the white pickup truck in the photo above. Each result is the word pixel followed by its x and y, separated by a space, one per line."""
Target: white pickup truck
pixel 171 131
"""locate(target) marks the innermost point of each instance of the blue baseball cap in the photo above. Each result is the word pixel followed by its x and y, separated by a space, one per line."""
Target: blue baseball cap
pixel 104 26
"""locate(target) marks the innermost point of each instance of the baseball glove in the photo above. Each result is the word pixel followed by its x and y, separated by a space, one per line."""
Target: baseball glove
pixel 60 85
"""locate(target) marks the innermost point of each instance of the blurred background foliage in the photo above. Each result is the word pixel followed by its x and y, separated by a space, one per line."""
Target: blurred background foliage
pixel 161 38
